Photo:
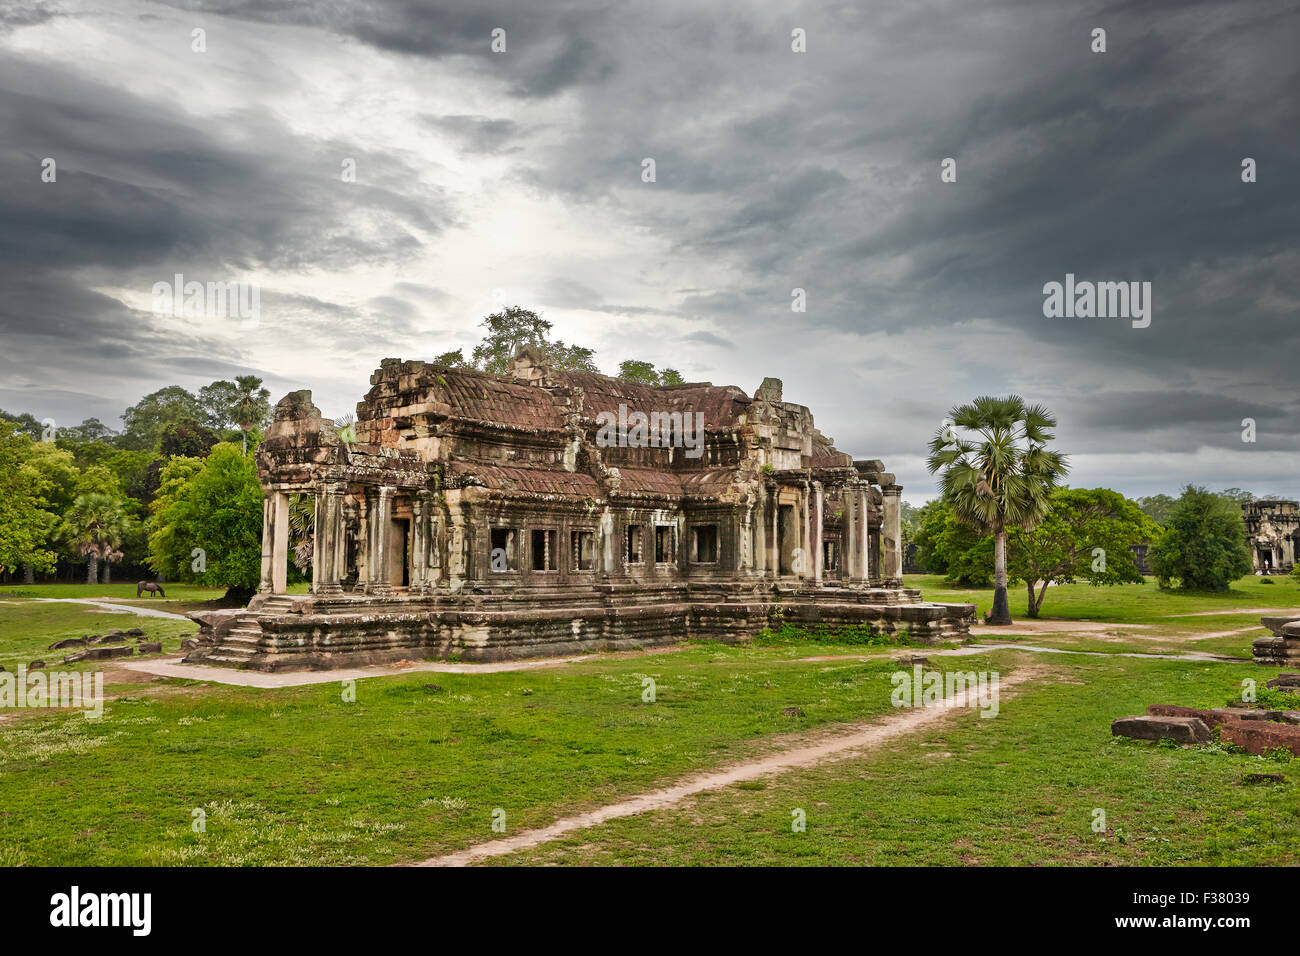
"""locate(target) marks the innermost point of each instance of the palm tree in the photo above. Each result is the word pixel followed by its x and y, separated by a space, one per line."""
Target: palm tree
pixel 302 529
pixel 94 526
pixel 252 404
pixel 997 473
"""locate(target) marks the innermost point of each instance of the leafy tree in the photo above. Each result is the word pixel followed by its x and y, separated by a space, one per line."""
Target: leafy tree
pixel 94 527
pixel 514 327
pixel 571 358
pixel 24 523
pixel 58 469
pixel 507 332
pixel 1237 495
pixel 26 423
pixel 633 370
pixel 997 473
pixel 217 401
pixel 644 373
pixel 98 479
pixel 1156 507
pixel 146 419
pixel 185 438
pixel 1203 547
pixel 944 545
pixel 214 505
pixel 927 524
pixel 90 430
pixel 1085 536
pixel 453 359
pixel 137 473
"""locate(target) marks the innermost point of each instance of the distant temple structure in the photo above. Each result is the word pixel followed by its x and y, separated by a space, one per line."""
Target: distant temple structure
pixel 1272 531
pixel 553 512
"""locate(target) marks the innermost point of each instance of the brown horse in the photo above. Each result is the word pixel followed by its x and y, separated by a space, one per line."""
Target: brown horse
pixel 142 586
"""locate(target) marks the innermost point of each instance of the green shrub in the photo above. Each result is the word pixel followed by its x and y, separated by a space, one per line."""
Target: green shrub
pixel 862 635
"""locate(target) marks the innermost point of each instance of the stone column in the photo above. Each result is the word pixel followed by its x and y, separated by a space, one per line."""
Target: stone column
pixel 804 567
pixel 420 543
pixel 363 541
pixel 776 532
pixel 849 559
pixel 864 539
pixel 455 560
pixel 280 543
pixel 607 544
pixel 818 550
pixel 745 560
pixel 326 565
pixel 268 544
pixel 891 537
pixel 855 516
pixel 379 535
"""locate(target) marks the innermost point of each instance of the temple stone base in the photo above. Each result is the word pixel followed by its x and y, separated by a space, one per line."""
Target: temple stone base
pixel 320 633
pixel 1282 647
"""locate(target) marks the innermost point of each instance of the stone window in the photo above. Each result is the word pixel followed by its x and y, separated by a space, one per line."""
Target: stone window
pixel 634 544
pixel 663 544
pixel 545 557
pixel 704 544
pixel 504 543
pixel 584 550
pixel 830 556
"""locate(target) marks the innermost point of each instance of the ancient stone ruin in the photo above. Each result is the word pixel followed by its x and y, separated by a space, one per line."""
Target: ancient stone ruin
pixel 554 512
pixel 1272 531
pixel 1282 646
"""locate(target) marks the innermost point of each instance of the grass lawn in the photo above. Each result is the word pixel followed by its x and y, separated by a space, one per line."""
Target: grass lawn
pixel 414 767
pixel 1018 789
pixel 418 763
pixel 1144 618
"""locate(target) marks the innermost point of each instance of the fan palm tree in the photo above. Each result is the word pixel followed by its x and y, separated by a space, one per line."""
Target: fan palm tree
pixel 252 404
pixel 997 473
pixel 302 529
pixel 94 526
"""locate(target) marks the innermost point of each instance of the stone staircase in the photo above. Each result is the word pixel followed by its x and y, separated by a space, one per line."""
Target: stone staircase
pixel 241 644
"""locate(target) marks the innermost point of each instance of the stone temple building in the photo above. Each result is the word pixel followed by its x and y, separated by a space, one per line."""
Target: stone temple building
pixel 553 512
pixel 1272 531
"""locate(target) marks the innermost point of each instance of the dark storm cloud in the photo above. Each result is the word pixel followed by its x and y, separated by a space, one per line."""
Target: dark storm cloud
pixel 549 47
pixel 775 170
pixel 143 192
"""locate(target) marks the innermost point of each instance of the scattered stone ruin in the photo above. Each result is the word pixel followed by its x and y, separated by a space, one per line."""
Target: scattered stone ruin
pixel 1272 531
pixel 552 512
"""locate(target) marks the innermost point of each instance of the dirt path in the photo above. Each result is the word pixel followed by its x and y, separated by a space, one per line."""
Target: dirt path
pixel 1242 610
pixel 117 608
pixel 1183 656
pixel 1033 628
pixel 836 747
pixel 172 667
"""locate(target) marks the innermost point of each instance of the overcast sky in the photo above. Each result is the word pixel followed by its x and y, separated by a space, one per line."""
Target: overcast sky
pixel 484 177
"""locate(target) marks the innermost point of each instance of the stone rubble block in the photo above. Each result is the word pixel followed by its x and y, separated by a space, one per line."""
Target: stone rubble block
pixel 99 654
pixel 1184 730
pixel 1260 737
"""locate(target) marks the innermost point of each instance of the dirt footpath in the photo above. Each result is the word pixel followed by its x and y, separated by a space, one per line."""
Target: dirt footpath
pixel 832 746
